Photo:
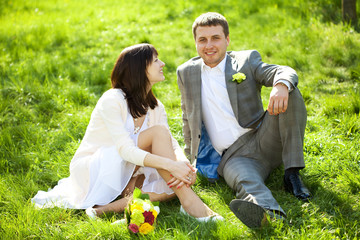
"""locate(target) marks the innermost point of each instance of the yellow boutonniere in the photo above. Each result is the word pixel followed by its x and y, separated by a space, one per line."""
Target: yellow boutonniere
pixel 239 77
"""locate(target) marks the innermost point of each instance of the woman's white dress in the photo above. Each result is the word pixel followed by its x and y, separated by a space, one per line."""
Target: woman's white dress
pixel 106 158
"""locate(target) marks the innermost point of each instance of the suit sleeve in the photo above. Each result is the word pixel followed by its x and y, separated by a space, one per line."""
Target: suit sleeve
pixel 186 129
pixel 268 74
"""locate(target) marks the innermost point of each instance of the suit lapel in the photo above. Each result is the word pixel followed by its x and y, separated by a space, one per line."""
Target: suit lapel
pixel 230 70
pixel 196 89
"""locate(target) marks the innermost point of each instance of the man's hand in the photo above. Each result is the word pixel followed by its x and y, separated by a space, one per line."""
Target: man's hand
pixel 279 97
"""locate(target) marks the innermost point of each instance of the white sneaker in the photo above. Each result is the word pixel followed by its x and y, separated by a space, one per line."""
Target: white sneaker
pixel 91 213
pixel 214 218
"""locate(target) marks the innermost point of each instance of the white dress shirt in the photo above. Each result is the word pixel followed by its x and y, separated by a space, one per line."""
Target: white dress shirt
pixel 217 113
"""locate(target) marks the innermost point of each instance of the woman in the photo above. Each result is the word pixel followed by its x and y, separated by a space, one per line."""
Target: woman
pixel 127 144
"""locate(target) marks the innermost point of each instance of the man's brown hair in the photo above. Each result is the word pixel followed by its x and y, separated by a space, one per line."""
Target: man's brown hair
pixel 210 19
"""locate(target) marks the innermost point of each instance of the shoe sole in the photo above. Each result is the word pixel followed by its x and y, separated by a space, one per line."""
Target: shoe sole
pixel 251 214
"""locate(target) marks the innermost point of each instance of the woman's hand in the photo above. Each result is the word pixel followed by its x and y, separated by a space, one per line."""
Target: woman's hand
pixel 188 179
pixel 181 170
pixel 174 182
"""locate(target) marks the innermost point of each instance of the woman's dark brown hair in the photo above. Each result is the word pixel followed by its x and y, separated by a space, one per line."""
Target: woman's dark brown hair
pixel 129 74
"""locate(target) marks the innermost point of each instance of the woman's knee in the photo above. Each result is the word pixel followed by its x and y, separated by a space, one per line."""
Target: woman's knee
pixel 161 130
pixel 148 136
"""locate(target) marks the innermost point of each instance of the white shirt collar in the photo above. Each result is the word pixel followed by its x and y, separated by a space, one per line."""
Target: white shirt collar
pixel 220 66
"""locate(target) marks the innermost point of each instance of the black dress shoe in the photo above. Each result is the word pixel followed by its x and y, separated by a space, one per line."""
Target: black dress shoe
pixel 294 185
pixel 251 214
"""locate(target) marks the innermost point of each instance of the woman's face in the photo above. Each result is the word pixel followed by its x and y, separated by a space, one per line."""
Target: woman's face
pixel 154 71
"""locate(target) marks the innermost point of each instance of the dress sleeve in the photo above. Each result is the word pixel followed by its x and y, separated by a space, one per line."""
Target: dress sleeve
pixel 112 109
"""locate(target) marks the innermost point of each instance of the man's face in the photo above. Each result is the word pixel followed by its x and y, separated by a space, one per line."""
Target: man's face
pixel 211 44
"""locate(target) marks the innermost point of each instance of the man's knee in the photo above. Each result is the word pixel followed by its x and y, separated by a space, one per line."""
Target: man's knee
pixel 296 100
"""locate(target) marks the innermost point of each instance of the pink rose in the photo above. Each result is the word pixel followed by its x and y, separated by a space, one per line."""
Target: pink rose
pixel 134 228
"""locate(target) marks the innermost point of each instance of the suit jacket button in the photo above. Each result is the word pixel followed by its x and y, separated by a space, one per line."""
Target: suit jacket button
pixel 199 136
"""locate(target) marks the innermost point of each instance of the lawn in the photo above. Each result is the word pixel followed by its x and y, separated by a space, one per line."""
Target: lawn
pixel 56 59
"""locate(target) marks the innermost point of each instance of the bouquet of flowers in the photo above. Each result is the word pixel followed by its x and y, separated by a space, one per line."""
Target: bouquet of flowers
pixel 141 213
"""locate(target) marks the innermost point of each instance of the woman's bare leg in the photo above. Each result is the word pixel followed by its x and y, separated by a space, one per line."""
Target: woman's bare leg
pixel 157 140
pixel 162 197
pixel 116 206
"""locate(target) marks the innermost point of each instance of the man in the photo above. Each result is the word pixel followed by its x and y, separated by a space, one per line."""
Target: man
pixel 221 91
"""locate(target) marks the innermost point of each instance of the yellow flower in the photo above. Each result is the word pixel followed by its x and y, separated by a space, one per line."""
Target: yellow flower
pixel 137 217
pixel 154 213
pixel 239 77
pixel 145 228
pixel 157 209
pixel 136 205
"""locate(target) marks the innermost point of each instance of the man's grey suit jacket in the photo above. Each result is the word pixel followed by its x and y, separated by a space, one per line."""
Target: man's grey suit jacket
pixel 245 97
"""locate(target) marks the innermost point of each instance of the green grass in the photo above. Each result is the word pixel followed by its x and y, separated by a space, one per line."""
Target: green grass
pixel 55 62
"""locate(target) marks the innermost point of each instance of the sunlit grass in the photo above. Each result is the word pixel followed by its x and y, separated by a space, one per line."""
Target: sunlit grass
pixel 55 62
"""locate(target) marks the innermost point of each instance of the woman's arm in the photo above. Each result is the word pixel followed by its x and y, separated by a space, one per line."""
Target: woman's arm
pixel 112 107
pixel 179 169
